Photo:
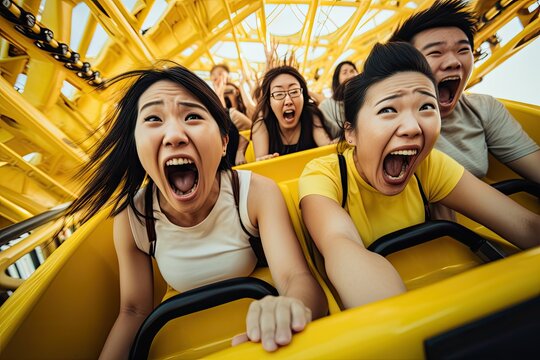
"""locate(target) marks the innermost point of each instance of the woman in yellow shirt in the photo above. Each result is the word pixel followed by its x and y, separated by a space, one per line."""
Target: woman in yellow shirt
pixel 392 124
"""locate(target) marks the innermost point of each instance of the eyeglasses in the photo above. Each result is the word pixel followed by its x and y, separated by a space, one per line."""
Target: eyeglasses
pixel 280 95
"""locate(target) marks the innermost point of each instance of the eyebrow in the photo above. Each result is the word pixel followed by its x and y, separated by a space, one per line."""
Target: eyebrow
pixel 184 103
pixel 395 96
pixel 437 43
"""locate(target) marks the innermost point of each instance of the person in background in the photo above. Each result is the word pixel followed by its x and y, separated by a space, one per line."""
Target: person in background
pixel 472 124
pixel 162 166
pixel 332 108
pixel 392 174
pixel 287 120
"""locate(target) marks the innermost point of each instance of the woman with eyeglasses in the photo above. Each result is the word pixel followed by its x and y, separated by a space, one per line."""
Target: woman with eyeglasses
pixel 287 120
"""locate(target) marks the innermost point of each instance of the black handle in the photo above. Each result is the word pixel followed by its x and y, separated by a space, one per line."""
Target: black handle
pixel 430 230
pixel 194 300
pixel 513 186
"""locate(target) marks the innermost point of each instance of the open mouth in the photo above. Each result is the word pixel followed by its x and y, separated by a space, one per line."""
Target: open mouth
pixel 288 115
pixel 447 89
pixel 182 175
pixel 396 165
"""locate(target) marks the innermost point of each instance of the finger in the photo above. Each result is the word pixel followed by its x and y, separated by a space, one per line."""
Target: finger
pixel 299 316
pixel 252 322
pixel 268 326
pixel 239 339
pixel 283 323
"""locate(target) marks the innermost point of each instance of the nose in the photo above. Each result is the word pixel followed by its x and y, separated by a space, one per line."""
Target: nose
pixel 451 61
pixel 288 98
pixel 175 133
pixel 409 126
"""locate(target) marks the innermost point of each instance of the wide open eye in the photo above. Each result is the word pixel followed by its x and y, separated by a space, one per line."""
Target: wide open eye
pixel 387 110
pixel 193 116
pixel 427 106
pixel 152 118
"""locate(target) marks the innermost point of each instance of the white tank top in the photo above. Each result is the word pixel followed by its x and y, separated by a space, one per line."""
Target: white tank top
pixel 215 249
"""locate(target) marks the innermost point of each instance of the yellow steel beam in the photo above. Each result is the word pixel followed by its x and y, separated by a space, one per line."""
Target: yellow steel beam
pixel 308 29
pixel 34 122
pixel 518 42
pixel 122 32
pixel 233 31
pixel 141 15
pixel 27 45
pixel 201 31
pixel 346 39
pixel 262 29
pixel 33 172
pixel 212 38
pixel 12 211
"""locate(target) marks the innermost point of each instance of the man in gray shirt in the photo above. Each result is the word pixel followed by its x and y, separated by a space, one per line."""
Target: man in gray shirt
pixel 472 124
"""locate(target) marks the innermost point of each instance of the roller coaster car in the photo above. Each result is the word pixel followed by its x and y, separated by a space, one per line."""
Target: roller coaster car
pixel 456 305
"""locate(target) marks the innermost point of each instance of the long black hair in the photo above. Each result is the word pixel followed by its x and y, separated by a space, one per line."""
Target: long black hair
pixel 114 169
pixel 446 13
pixel 383 61
pixel 335 77
pixel 264 112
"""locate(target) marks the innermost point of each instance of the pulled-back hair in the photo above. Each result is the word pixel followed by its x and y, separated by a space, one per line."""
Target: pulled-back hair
pixel 383 61
pixel 446 13
pixel 263 112
pixel 116 173
pixel 335 77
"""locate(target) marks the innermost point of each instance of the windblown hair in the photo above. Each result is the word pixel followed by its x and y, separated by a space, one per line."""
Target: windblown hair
pixel 384 61
pixel 264 112
pixel 335 78
pixel 445 13
pixel 116 173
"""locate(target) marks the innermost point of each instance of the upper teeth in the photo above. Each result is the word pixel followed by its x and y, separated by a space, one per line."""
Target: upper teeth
pixel 404 152
pixel 178 161
pixel 450 78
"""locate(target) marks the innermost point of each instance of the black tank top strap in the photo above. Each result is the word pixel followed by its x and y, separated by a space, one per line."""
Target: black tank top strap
pixel 427 211
pixel 343 173
pixel 149 218
pixel 254 241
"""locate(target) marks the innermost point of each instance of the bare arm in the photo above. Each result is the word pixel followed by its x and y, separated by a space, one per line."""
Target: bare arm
pixel 241 152
pixel 241 121
pixel 136 291
pixel 482 203
pixel 320 135
pixel 259 136
pixel 359 275
pixel 300 295
pixel 527 166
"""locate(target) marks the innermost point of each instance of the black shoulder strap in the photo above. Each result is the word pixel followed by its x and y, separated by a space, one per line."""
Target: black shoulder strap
pixel 343 173
pixel 254 241
pixel 150 222
pixel 427 211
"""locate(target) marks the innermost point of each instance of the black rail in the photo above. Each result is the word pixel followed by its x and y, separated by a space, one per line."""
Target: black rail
pixel 14 231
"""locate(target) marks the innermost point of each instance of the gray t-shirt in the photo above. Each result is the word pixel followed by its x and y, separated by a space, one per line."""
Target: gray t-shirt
pixel 478 124
pixel 334 116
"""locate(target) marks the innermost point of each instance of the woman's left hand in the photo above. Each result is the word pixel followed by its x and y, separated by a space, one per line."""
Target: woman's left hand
pixel 272 321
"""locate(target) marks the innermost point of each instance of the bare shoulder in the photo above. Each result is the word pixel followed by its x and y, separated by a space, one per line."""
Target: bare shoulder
pixel 123 237
pixel 262 186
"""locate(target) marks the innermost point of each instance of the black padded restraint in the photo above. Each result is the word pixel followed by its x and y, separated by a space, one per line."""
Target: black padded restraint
pixel 150 221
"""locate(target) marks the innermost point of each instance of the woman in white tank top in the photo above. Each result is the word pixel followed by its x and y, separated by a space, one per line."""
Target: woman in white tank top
pixel 170 129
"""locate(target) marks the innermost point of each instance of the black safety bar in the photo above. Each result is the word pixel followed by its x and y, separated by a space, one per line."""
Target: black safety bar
pixel 14 231
pixel 512 186
pixel 430 230
pixel 194 300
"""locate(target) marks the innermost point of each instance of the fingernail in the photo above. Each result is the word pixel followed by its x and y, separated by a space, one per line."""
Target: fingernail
pixel 254 335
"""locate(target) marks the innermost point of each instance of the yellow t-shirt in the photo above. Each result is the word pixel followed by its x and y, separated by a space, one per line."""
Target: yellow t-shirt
pixel 373 213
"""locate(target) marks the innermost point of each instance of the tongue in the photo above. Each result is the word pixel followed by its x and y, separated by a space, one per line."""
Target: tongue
pixel 183 180
pixel 393 165
pixel 444 94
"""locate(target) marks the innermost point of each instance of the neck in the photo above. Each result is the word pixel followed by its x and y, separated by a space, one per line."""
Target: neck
pixel 291 136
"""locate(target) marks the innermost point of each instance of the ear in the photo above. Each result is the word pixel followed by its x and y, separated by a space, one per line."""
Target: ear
pixel 224 142
pixel 349 134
